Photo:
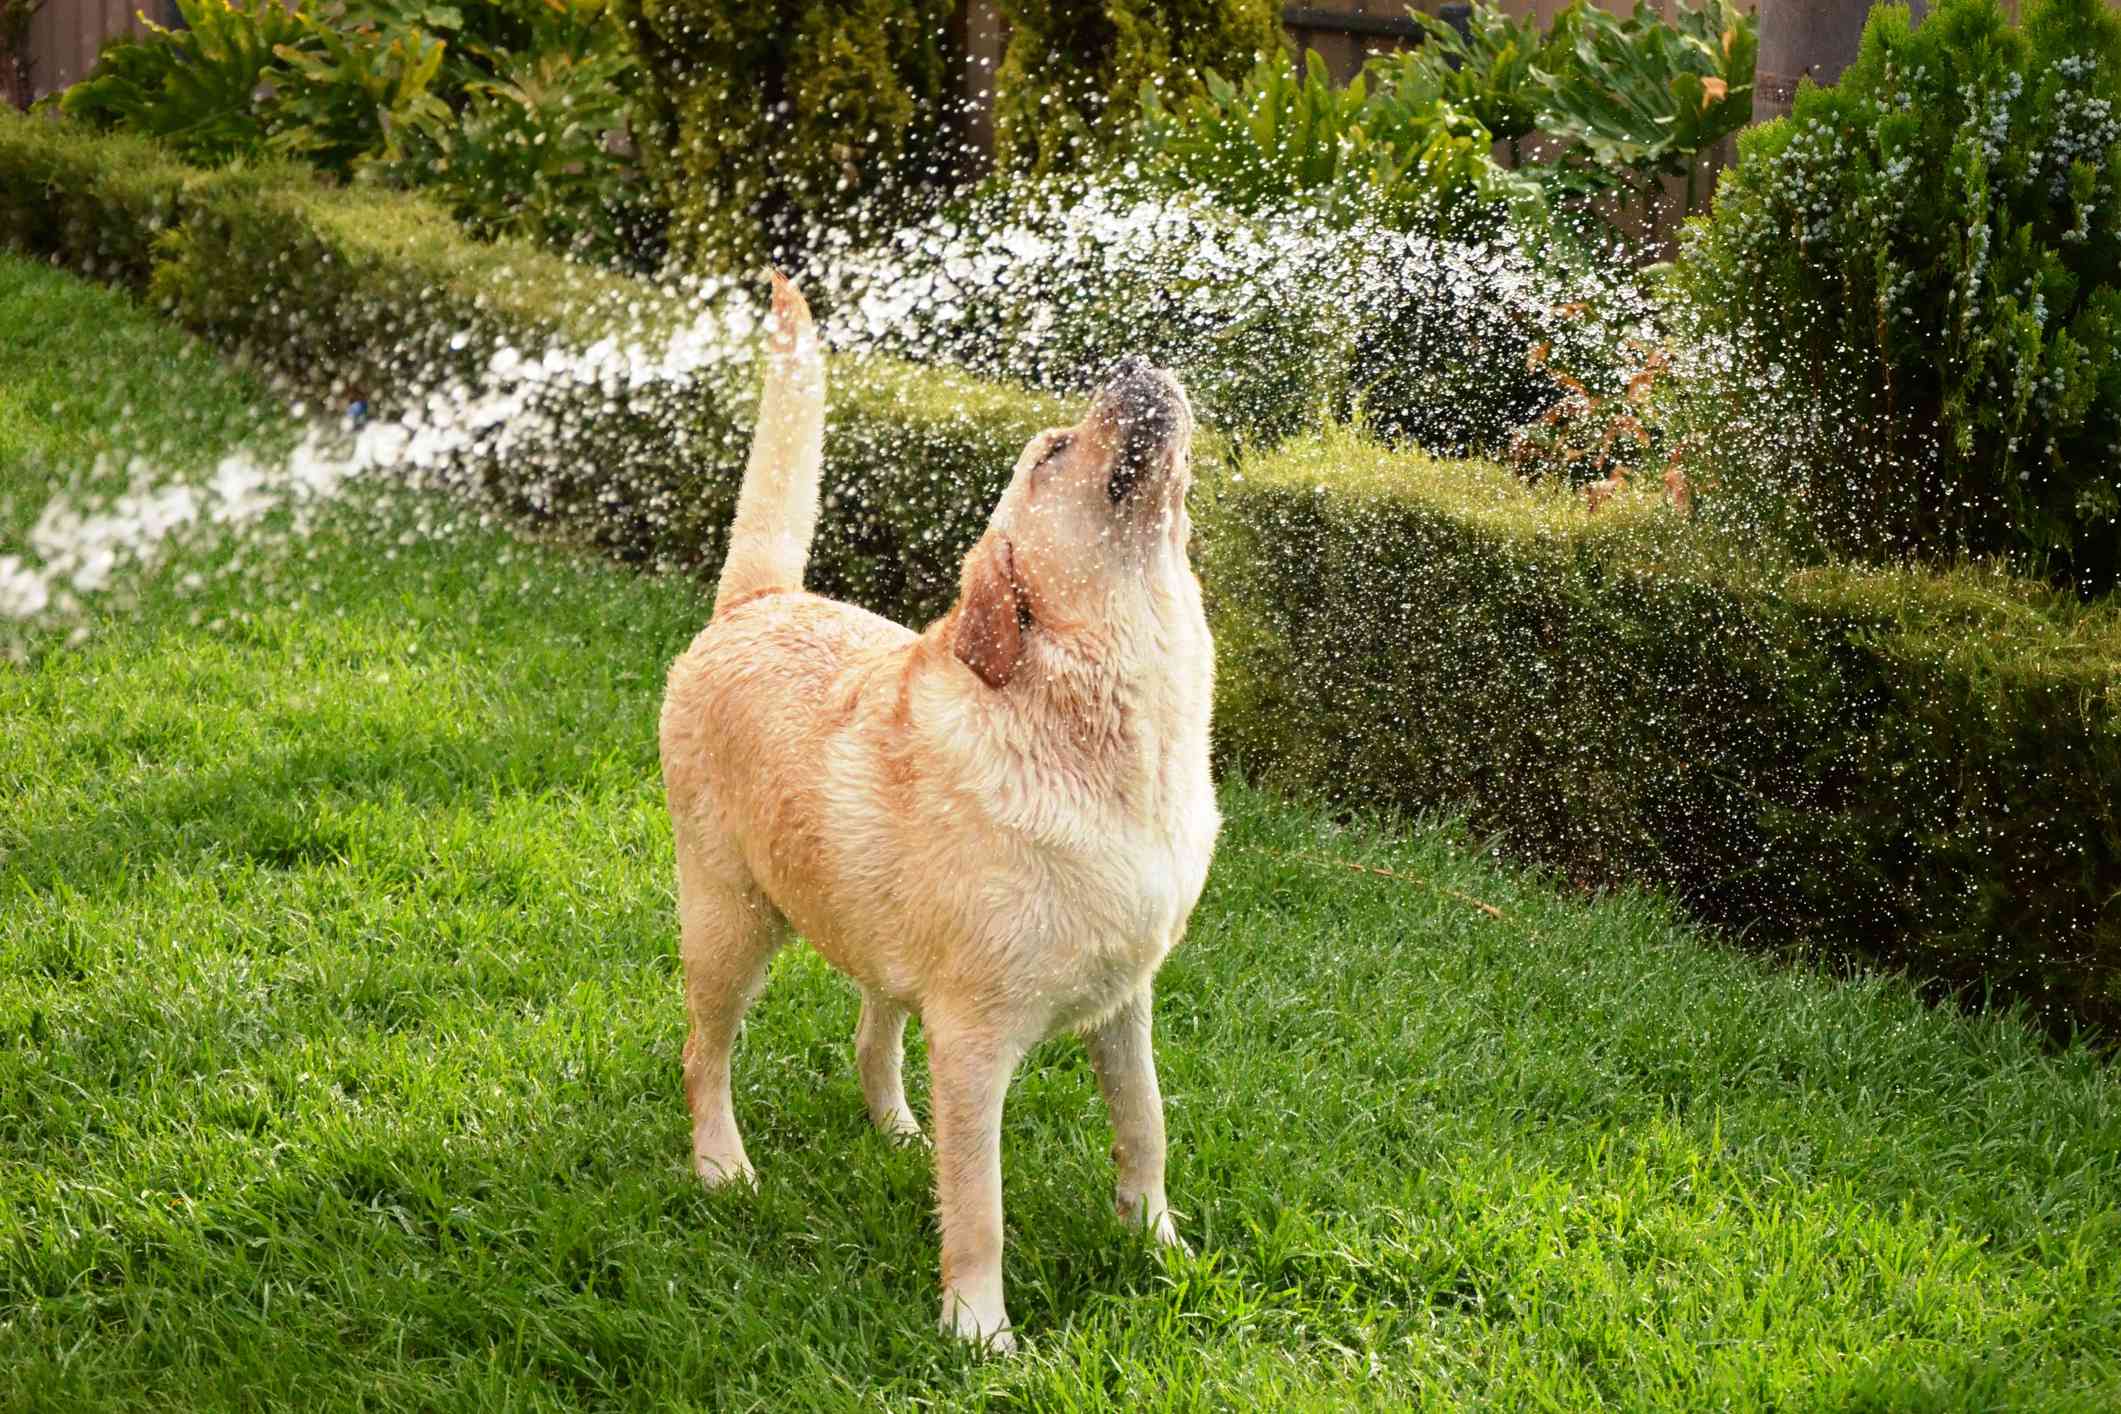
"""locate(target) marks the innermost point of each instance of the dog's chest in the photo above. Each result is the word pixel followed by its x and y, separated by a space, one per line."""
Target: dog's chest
pixel 1131 852
pixel 1118 909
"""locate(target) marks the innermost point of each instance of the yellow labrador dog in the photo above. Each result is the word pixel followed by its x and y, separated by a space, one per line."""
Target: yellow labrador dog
pixel 1001 823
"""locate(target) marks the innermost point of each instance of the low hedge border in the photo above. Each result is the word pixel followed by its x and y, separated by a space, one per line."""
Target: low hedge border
pixel 1920 767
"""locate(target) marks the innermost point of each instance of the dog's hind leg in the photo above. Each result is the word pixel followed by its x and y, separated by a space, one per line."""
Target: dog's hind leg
pixel 727 934
pixel 1121 1054
pixel 879 1054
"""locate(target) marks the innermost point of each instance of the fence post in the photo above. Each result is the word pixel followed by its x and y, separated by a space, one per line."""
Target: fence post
pixel 1813 39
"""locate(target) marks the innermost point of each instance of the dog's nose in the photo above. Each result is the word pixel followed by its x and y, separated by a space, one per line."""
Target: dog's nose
pixel 1137 391
pixel 1134 383
pixel 1138 401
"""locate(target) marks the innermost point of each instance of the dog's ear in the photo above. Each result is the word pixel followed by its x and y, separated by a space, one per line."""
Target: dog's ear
pixel 989 638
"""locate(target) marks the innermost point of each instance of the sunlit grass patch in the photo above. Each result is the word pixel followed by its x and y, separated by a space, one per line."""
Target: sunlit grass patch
pixel 149 392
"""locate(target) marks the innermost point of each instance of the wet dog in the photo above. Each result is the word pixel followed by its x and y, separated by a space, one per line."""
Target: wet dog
pixel 1001 823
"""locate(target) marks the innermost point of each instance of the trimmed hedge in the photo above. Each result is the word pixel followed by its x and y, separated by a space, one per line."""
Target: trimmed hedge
pixel 1924 767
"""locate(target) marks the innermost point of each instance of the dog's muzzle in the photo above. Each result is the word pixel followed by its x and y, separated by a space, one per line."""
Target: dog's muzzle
pixel 1147 411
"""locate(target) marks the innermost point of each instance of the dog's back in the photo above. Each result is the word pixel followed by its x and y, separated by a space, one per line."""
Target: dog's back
pixel 758 695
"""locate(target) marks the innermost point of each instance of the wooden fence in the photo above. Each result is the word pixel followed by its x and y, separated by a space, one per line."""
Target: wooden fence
pixel 65 36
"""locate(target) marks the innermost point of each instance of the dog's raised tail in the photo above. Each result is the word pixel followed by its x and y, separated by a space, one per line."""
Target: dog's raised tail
pixel 776 511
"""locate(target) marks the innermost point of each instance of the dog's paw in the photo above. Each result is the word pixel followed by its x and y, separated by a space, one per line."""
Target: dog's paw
pixel 900 1128
pixel 991 1334
pixel 725 1173
pixel 1158 1221
pixel 1165 1231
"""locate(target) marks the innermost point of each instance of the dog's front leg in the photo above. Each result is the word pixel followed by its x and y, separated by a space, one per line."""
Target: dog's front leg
pixel 1125 1061
pixel 970 1068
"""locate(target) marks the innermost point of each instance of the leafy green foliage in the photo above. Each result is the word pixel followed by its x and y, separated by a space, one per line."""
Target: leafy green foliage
pixel 1374 150
pixel 1646 96
pixel 201 88
pixel 1932 248
pixel 1065 94
pixel 1489 71
pixel 1632 98
pixel 97 204
pixel 516 140
pixel 767 127
pixel 529 154
pixel 534 149
pixel 357 95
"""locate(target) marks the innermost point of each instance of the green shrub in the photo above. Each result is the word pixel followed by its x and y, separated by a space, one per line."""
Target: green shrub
pixel 1069 80
pixel 1488 71
pixel 1394 154
pixel 1920 767
pixel 1931 251
pixel 531 152
pixel 1644 97
pixel 1630 98
pixel 194 88
pixel 256 79
pixel 93 204
pixel 517 141
pixel 768 128
pixel 356 96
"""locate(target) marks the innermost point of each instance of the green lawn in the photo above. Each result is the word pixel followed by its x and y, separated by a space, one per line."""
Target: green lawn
pixel 339 1030
pixel 82 394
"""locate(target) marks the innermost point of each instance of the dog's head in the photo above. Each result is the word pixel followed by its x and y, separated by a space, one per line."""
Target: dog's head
pixel 1090 509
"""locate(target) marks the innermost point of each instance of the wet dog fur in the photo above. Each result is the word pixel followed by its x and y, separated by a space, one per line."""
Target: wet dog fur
pixel 1000 824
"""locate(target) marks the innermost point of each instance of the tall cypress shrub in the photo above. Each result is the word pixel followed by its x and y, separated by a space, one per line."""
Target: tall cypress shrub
pixel 1929 254
pixel 1072 75
pixel 765 121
